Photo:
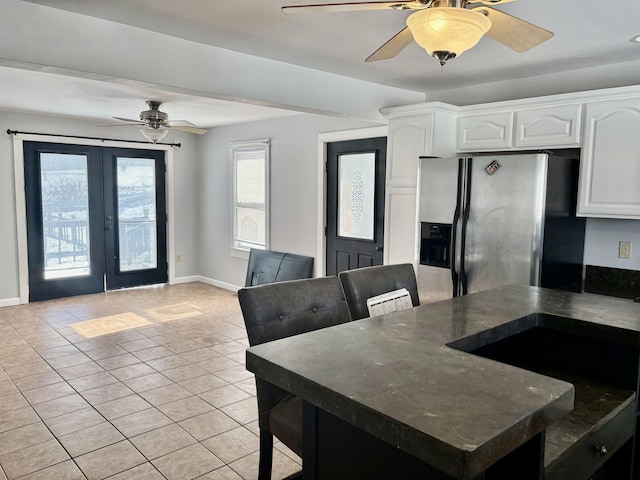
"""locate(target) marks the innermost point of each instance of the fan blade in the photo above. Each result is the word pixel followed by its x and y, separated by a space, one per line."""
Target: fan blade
pixel 514 32
pixel 197 131
pixel 489 2
pixel 353 6
pixel 137 122
pixel 393 47
pixel 180 123
pixel 127 124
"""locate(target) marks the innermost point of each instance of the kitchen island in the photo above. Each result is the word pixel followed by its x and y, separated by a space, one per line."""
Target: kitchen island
pixel 517 382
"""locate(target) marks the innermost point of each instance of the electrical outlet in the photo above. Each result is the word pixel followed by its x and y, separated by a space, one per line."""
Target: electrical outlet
pixel 178 258
pixel 624 250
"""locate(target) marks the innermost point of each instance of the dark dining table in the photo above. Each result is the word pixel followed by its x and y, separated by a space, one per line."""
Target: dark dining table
pixel 409 394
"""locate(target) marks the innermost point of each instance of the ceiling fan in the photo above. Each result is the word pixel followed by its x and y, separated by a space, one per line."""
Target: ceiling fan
pixel 444 28
pixel 157 123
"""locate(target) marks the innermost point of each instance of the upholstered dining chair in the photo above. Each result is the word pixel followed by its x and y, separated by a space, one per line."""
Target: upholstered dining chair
pixel 278 310
pixel 363 283
pixel 268 266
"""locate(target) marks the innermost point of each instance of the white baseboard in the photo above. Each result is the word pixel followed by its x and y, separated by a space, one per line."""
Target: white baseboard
pixel 208 281
pixel 189 279
pixel 9 302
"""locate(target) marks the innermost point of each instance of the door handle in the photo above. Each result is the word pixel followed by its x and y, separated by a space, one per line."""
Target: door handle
pixel 455 278
pixel 379 248
pixel 464 279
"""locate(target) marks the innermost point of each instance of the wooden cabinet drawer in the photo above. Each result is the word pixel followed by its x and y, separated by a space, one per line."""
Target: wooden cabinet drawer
pixel 583 459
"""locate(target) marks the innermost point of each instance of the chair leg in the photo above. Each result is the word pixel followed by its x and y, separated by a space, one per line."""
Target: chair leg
pixel 266 455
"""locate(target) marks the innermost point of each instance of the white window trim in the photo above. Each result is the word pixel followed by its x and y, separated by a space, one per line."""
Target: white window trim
pixel 233 146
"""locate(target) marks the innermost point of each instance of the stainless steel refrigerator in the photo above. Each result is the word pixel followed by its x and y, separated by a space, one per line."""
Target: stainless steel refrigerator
pixel 493 220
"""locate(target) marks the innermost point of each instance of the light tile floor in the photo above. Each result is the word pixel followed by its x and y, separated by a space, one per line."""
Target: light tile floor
pixel 138 384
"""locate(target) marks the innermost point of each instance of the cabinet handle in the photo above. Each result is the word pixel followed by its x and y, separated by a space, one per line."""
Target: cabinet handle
pixel 602 450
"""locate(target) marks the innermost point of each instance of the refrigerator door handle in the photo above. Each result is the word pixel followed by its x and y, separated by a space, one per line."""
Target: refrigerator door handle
pixel 455 279
pixel 464 280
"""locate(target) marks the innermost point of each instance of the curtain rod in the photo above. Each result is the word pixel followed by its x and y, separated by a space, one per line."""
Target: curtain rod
pixel 15 132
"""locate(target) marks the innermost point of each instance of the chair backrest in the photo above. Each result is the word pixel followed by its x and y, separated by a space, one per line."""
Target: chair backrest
pixel 267 266
pixel 283 309
pixel 363 283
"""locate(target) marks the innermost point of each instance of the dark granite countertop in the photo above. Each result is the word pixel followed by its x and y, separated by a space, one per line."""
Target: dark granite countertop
pixel 399 377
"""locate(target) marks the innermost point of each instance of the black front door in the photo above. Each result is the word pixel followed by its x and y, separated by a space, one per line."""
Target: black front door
pixel 95 218
pixel 355 203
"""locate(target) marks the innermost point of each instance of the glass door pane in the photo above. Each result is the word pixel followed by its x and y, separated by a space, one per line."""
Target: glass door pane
pixel 65 215
pixel 136 200
pixel 65 230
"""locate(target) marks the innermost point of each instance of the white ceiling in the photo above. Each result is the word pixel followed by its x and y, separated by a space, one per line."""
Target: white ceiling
pixel 99 101
pixel 589 34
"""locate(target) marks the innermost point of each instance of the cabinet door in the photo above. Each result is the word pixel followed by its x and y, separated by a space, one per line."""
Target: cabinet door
pixel 548 127
pixel 492 131
pixel 408 139
pixel 610 163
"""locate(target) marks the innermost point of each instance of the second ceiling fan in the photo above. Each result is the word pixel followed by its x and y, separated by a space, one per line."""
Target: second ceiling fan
pixel 156 123
pixel 444 28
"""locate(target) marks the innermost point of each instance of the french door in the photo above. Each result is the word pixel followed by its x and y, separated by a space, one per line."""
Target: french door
pixel 96 218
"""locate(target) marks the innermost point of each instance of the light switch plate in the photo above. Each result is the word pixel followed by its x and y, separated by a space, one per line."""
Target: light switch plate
pixel 624 250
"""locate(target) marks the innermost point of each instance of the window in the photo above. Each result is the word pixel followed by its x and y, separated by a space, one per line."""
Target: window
pixel 250 194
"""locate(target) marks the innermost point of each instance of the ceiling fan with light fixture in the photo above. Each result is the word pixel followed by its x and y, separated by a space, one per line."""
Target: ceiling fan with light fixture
pixel 156 123
pixel 444 28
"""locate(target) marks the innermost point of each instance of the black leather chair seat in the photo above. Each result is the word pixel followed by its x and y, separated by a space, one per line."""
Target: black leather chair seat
pixel 285 422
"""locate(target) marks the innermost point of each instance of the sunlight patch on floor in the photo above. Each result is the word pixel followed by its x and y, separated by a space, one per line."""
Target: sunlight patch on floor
pixel 173 312
pixel 111 324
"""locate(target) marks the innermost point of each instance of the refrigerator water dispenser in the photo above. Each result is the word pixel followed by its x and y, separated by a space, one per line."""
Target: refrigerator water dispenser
pixel 435 244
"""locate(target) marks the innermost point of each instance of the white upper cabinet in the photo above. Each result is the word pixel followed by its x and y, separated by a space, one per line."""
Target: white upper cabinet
pixel 430 133
pixel 610 163
pixel 408 139
pixel 546 127
pixel 557 126
pixel 487 131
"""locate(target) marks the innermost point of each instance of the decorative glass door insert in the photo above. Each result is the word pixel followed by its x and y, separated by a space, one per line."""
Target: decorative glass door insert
pixel 356 195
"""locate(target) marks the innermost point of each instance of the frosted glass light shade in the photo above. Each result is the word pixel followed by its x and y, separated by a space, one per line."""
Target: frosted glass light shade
pixel 447 29
pixel 154 134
